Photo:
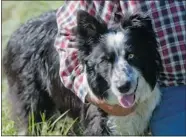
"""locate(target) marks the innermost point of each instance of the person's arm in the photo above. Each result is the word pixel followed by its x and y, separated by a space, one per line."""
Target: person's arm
pixel 115 110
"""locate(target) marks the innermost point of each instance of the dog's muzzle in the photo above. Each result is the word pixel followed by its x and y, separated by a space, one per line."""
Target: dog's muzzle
pixel 128 100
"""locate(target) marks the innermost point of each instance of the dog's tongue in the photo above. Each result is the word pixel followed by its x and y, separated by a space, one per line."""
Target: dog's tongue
pixel 127 101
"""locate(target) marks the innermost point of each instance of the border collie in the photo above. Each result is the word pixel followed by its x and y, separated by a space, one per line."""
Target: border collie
pixel 121 64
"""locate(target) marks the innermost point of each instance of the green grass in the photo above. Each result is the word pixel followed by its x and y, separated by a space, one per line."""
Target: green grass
pixel 15 13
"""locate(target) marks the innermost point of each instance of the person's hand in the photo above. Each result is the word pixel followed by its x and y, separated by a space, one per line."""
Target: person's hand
pixel 115 110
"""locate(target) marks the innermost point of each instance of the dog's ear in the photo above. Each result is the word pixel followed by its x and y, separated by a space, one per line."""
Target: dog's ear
pixel 136 20
pixel 144 19
pixel 89 26
pixel 89 29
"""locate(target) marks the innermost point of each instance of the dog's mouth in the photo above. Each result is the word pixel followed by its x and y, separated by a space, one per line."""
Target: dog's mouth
pixel 128 101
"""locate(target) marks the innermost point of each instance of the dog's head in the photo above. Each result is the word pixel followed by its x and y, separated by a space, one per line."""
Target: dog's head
pixel 121 62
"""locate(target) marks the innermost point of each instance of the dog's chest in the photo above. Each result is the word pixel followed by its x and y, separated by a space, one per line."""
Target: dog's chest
pixel 127 125
pixel 137 122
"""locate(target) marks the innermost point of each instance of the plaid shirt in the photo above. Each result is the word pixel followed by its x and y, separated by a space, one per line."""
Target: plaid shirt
pixel 169 22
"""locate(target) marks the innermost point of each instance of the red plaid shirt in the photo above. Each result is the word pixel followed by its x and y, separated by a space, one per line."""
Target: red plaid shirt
pixel 169 22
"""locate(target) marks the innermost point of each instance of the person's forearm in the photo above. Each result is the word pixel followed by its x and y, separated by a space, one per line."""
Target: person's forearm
pixel 115 110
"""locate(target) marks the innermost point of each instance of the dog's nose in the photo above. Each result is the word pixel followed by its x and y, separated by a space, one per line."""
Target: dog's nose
pixel 125 87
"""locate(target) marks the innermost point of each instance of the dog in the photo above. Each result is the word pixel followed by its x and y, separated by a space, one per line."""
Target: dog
pixel 121 66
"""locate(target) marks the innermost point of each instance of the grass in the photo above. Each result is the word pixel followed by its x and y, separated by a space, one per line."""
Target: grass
pixel 61 125
pixel 14 13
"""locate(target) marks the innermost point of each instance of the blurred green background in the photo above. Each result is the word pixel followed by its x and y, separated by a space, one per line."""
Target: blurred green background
pixel 15 13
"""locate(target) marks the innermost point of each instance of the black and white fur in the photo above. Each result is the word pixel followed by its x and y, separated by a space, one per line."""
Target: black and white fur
pixel 117 61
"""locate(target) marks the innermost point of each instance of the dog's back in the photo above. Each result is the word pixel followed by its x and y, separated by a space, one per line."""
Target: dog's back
pixel 31 65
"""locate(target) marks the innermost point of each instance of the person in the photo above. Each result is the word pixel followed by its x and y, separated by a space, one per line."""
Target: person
pixel 169 22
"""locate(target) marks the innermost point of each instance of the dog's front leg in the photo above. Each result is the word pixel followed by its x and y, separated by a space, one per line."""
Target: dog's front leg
pixel 94 121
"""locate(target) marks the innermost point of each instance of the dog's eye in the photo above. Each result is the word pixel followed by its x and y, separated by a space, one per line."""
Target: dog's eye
pixel 108 58
pixel 130 56
pixel 105 58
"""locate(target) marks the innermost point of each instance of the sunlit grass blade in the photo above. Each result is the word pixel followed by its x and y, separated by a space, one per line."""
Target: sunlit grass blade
pixel 70 126
pixel 59 118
